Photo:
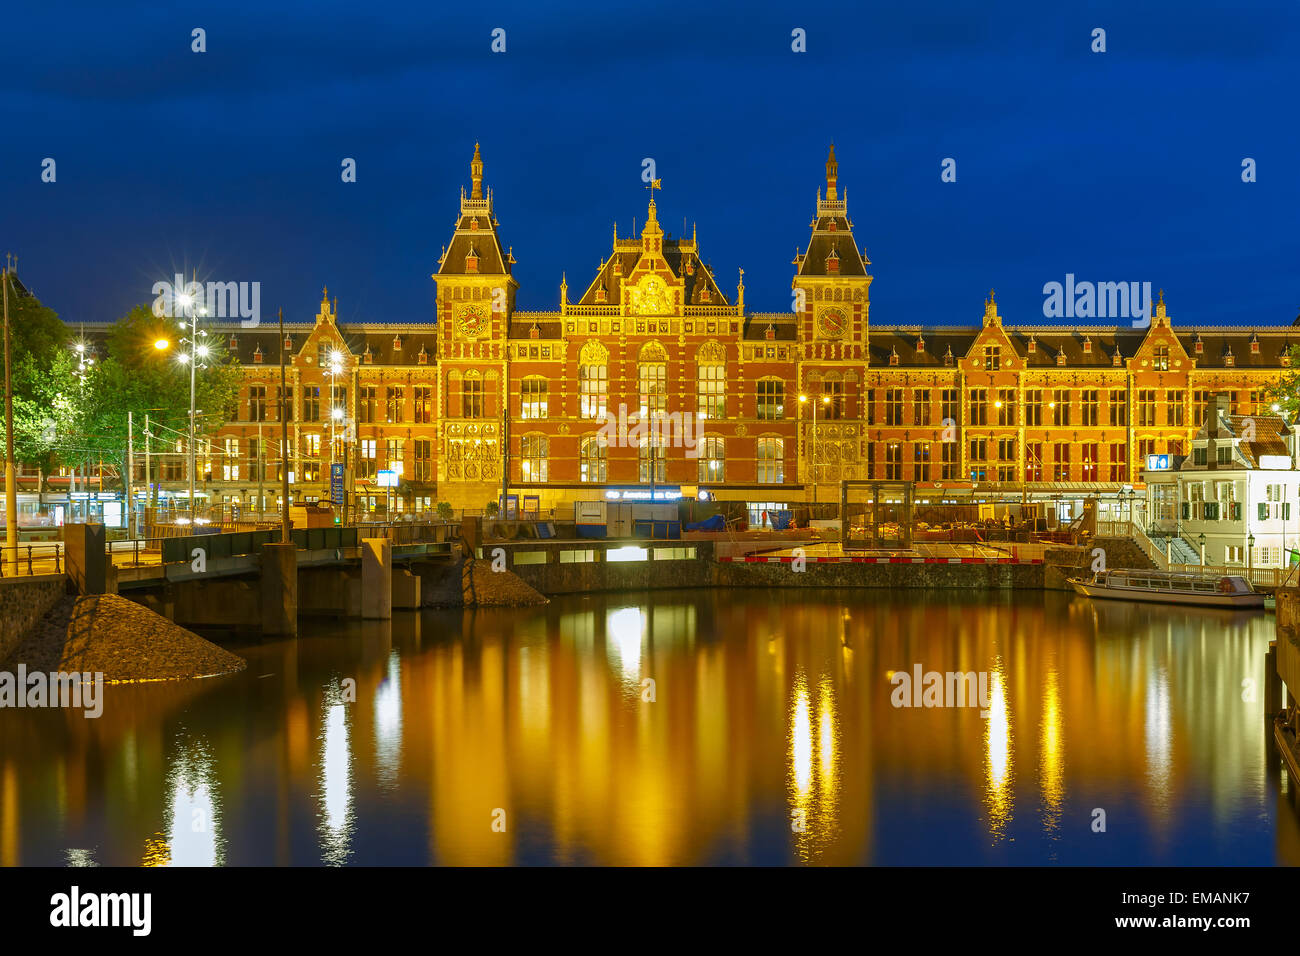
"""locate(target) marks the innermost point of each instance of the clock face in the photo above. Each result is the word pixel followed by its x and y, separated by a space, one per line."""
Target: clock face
pixel 832 324
pixel 472 320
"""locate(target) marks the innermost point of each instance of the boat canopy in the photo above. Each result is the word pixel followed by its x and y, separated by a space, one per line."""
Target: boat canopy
pixel 1173 581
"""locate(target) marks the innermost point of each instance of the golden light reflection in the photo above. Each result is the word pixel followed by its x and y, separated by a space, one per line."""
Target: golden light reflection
pixel 388 722
pixel 1051 764
pixel 624 628
pixel 998 798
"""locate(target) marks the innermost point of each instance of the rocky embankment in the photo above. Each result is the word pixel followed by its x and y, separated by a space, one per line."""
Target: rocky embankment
pixel 104 633
pixel 483 587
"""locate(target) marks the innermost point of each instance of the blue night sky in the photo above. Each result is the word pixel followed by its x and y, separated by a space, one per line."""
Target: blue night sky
pixel 1122 166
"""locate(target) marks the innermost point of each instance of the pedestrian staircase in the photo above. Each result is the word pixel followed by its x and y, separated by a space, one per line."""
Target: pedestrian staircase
pixel 1181 551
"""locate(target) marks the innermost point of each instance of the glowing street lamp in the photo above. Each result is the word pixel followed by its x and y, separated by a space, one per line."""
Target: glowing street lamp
pixel 161 344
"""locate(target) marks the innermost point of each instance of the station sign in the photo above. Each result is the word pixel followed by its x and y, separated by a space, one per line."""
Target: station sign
pixel 386 478
pixel 665 493
pixel 336 484
pixel 1158 463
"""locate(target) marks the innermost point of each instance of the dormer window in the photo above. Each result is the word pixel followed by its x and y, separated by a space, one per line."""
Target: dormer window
pixel 947 357
pixel 397 343
pixel 893 355
pixel 600 295
pixel 1087 346
pixel 833 263
pixel 473 224
pixel 1032 347
pixel 920 345
pixel 233 342
pixel 704 294
pixel 288 343
pixel 1254 345
pixel 423 357
pixel 831 226
pixel 257 355
pixel 1115 359
pixel 1285 358
pixel 1060 357
pixel 367 357
pixel 1229 359
pixel 1199 347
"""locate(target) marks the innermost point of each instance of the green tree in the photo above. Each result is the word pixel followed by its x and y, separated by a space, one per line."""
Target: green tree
pixel 139 378
pixel 43 374
pixel 1285 393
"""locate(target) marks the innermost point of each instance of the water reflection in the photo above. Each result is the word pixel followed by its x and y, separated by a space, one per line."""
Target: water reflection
pixel 769 738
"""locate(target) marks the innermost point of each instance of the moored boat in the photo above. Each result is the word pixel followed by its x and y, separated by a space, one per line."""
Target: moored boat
pixel 1171 587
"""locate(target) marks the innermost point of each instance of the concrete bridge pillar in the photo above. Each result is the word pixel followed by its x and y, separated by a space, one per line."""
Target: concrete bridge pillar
pixel 376 578
pixel 87 562
pixel 280 589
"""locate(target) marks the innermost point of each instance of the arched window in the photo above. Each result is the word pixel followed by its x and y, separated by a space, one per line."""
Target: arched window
pixel 711 381
pixel 533 456
pixel 652 380
pixel 771 460
pixel 713 459
pixel 593 379
pixel 652 463
pixel 593 458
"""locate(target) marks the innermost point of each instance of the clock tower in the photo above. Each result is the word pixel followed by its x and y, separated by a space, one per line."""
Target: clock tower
pixel 475 299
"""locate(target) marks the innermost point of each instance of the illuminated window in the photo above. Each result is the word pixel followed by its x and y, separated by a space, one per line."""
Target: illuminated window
pixel 771 399
pixel 533 453
pixel 713 459
pixel 593 458
pixel 771 461
pixel 532 395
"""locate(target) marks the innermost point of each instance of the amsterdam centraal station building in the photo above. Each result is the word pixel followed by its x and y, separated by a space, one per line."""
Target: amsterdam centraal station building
pixel 652 380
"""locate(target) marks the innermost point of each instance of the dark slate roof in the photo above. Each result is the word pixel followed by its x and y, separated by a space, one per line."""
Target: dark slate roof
pixel 680 255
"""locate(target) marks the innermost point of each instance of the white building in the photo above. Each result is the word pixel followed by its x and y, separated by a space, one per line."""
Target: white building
pixel 1232 496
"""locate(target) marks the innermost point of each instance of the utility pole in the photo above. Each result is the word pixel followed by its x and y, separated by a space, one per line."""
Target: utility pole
pixel 11 488
pixel 130 474
pixel 284 443
pixel 148 471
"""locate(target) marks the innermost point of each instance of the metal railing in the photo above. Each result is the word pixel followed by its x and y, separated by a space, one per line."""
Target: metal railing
pixel 37 557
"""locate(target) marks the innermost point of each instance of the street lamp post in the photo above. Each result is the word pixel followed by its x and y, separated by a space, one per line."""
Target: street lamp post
pixel 1250 558
pixel 196 352
pixel 1201 541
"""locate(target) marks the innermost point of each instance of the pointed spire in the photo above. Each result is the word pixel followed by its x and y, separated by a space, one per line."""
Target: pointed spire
pixel 832 175
pixel 476 174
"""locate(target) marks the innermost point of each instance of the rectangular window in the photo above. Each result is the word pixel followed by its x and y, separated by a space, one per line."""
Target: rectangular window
pixel 921 461
pixel 1034 407
pixel 1200 400
pixel 1034 461
pixel 1118 461
pixel 771 461
pixel 311 403
pixel 395 405
pixel 256 403
pixel 1146 407
pixel 1088 407
pixel 532 395
pixel 951 460
pixel 893 406
pixel 1061 406
pixel 1160 358
pixel 921 410
pixel 894 460
pixel 1174 407
pixel 368 401
pixel 366 462
pixel 471 399
pixel 713 460
pixel 423 468
pixel 992 357
pixel 1118 407
pixel 1006 406
pixel 533 458
pixel 835 408
pixel 593 390
pixel 1060 462
pixel 230 461
pixel 979 406
pixel 978 459
pixel 423 404
pixel 393 458
pixel 711 391
pixel 1089 451
pixel 771 400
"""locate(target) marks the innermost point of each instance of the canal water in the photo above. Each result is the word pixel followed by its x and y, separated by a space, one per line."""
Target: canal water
pixel 683 727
